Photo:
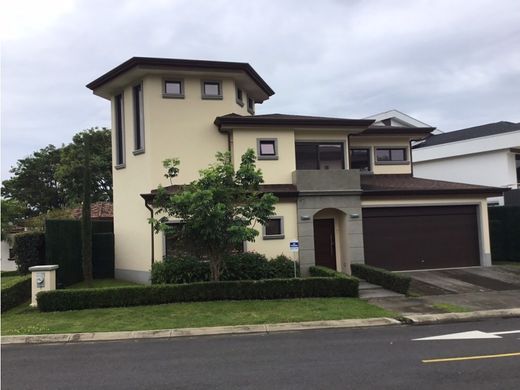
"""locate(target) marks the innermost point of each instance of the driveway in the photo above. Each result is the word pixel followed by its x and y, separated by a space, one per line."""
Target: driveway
pixel 476 288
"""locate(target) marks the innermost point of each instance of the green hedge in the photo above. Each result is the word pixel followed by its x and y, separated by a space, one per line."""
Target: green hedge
pixel 382 277
pixel 17 293
pixel 61 300
pixel 325 272
pixel 241 266
pixel 29 250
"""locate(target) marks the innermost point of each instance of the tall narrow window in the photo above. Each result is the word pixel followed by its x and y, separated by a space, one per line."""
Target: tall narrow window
pixel 251 106
pixel 517 162
pixel 119 131
pixel 138 119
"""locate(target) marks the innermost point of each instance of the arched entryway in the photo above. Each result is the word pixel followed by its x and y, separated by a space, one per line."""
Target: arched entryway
pixel 329 238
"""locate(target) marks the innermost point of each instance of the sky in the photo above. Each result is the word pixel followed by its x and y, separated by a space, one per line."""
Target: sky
pixel 451 64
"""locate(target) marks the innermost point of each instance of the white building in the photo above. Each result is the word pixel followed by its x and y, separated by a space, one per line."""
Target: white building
pixel 486 155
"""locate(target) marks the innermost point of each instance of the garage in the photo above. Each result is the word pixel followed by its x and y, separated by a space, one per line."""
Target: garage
pixel 407 238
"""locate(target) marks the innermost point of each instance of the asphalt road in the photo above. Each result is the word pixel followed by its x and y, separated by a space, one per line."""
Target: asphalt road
pixel 371 358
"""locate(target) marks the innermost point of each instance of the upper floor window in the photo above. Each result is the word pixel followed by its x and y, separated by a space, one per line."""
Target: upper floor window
pixel 273 229
pixel 391 155
pixel 326 155
pixel 267 149
pixel 240 97
pixel 211 90
pixel 138 119
pixel 119 133
pixel 173 89
pixel 251 106
pixel 360 159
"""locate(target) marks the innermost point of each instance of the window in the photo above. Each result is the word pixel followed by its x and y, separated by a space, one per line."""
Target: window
pixel 138 119
pixel 240 97
pixel 360 159
pixel 273 229
pixel 211 90
pixel 267 149
pixel 389 156
pixel 119 131
pixel 319 155
pixel 173 89
pixel 250 106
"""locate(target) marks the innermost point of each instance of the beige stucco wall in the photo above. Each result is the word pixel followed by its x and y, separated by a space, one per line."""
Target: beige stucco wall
pixel 374 142
pixel 273 248
pixel 181 128
pixel 274 171
pixel 482 213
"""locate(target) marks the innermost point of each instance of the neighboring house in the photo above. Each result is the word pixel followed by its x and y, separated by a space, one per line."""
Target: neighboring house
pixel 7 262
pixel 487 155
pixel 345 187
pixel 99 211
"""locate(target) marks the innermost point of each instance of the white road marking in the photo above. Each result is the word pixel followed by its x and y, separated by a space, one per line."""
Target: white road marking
pixel 470 335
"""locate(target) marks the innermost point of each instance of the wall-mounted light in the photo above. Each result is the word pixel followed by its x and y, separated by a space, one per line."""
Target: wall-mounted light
pixel 305 218
pixel 354 216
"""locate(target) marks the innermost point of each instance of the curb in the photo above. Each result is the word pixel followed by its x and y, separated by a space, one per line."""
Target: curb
pixel 412 319
pixel 187 332
pixel 425 319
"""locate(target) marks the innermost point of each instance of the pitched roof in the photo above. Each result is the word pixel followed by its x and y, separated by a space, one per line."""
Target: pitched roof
pixel 98 210
pixel 289 120
pixel 470 133
pixel 406 184
pixel 180 63
pixel 378 185
pixel 397 130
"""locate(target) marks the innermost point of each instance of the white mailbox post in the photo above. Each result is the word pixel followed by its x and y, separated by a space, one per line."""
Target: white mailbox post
pixel 43 279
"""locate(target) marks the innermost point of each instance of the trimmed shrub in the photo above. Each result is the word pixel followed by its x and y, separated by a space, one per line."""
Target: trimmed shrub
pixel 62 300
pixel 63 239
pixel 283 267
pixel 186 269
pixel 17 293
pixel 326 272
pixel 10 273
pixel 29 250
pixel 382 277
pixel 246 266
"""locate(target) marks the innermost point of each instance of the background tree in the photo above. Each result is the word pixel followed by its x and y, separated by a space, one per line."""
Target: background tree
pixel 52 178
pixel 34 183
pixel 70 170
pixel 220 209
pixel 13 214
pixel 86 220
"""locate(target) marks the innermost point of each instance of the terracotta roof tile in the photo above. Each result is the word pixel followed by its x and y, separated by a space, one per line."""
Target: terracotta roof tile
pixel 98 210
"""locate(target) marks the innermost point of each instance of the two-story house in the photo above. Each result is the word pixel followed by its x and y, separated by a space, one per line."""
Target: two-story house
pixel 345 188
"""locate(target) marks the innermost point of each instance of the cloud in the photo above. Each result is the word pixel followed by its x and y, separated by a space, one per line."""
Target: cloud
pixel 451 64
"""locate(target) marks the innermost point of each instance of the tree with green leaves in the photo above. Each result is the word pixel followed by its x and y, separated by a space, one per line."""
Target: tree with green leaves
pixel 219 210
pixel 13 214
pixel 52 178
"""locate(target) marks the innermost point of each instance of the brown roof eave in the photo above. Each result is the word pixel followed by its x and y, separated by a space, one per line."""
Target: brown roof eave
pixel 384 130
pixel 169 62
pixel 249 121
pixel 484 191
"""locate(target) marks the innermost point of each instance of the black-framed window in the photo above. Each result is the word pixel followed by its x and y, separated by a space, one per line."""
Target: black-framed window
pixel 274 228
pixel 173 88
pixel 119 130
pixel 138 118
pixel 240 97
pixel 267 148
pixel 212 90
pixel 251 105
pixel 360 159
pixel 391 155
pixel 323 155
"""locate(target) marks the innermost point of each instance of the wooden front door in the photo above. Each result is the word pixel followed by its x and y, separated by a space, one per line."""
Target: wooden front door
pixel 324 243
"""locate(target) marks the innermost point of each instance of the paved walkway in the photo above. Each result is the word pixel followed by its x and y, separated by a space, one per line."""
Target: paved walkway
pixel 478 288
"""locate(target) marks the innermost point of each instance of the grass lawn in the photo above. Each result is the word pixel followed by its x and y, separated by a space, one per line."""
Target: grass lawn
pixel 8 281
pixel 26 320
pixel 449 308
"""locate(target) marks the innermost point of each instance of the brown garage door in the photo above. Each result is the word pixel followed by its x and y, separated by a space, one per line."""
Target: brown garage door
pixel 400 238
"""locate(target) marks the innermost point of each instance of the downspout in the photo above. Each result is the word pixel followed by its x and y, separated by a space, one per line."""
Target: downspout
pixel 147 205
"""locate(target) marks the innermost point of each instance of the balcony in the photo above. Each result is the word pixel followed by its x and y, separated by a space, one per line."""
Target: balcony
pixel 333 180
